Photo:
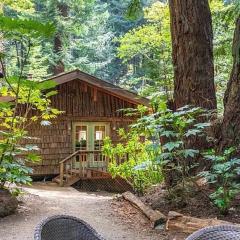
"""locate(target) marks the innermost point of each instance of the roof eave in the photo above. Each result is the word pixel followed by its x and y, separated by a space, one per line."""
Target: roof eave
pixel 89 79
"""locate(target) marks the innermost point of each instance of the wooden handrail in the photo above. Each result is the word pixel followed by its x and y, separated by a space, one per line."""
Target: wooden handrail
pixel 64 161
pixel 69 157
pixel 90 151
pixel 77 152
pixel 62 166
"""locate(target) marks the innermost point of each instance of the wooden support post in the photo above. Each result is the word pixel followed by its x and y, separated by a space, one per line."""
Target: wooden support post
pixel 94 94
pixel 61 174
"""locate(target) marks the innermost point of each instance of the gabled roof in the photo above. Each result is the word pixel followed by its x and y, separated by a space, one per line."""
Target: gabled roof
pixel 101 85
pixel 97 83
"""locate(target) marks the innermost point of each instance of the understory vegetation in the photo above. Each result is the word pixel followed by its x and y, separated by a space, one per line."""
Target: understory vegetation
pixel 223 177
pixel 28 101
pixel 162 147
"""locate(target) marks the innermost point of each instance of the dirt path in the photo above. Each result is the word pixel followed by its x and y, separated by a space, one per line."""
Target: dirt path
pixel 96 209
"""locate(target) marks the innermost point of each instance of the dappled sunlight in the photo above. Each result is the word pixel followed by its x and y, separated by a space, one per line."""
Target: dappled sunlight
pixel 123 114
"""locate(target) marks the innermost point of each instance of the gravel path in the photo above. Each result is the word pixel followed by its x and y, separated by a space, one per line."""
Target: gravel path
pixel 96 209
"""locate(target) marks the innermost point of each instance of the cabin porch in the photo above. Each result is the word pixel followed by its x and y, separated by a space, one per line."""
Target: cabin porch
pixel 82 165
pixel 83 160
pixel 86 170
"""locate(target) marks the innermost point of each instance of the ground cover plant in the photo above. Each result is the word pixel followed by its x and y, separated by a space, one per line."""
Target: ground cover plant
pixel 223 178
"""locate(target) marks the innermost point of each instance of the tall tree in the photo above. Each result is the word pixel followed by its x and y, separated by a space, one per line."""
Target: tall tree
pixel 222 44
pixel 192 55
pixel 58 67
pixel 69 17
pixel 230 134
pixel 191 29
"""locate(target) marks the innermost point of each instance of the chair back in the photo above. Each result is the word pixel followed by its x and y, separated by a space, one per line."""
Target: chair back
pixel 63 227
pixel 221 232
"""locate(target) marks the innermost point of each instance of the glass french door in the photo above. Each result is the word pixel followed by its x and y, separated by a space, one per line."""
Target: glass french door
pixel 88 138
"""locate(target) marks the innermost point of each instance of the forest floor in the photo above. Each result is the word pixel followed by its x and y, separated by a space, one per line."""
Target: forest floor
pixel 198 205
pixel 111 220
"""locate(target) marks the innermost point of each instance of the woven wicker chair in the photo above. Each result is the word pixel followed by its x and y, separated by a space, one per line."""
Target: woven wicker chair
pixel 62 227
pixel 222 232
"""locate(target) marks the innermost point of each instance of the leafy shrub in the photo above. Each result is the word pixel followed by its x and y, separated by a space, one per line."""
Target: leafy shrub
pixel 223 178
pixel 171 135
pixel 165 153
pixel 14 152
pixel 132 160
pixel 30 98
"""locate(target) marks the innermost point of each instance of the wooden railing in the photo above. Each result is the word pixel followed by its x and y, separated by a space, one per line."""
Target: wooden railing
pixel 79 163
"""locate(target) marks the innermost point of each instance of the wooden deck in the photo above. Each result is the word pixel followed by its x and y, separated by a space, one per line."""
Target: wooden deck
pixel 82 165
pixel 85 168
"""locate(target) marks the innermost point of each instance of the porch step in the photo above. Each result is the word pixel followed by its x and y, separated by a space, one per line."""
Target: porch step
pixel 68 180
pixel 67 176
pixel 57 180
pixel 74 176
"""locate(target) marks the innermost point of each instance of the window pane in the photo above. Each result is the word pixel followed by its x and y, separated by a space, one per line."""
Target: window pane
pixel 99 135
pixel 82 135
pixel 81 138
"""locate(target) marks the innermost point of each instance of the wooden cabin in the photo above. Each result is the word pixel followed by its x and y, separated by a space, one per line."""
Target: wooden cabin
pixel 71 145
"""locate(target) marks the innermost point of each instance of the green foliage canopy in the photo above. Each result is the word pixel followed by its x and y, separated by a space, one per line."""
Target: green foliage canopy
pixel 148 49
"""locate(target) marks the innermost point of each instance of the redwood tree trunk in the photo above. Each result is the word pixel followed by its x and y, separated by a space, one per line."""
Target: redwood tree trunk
pixel 191 28
pixel 192 46
pixel 230 134
pixel 58 43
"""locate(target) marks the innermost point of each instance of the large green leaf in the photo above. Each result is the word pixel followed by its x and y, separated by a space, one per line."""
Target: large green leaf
pixel 190 153
pixel 135 10
pixel 26 26
pixel 172 145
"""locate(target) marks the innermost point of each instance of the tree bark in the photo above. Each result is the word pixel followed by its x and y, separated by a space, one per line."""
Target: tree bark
pixel 58 43
pixel 230 134
pixel 191 30
pixel 192 54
